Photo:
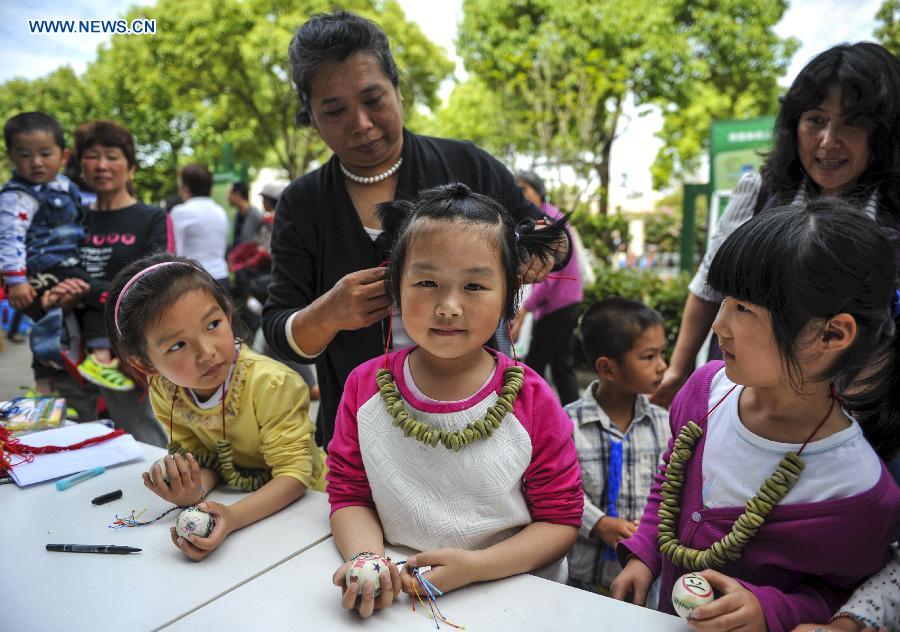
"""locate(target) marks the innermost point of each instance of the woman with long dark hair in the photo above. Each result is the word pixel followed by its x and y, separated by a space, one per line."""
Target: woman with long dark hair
pixel 837 134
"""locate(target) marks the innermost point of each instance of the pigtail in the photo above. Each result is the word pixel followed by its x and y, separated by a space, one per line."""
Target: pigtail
pixel 540 241
pixel 394 217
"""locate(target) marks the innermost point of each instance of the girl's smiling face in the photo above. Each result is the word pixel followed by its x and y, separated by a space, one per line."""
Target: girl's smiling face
pixel 452 289
pixel 192 345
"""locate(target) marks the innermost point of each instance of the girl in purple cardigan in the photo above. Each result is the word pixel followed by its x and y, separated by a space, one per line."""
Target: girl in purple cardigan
pixel 778 486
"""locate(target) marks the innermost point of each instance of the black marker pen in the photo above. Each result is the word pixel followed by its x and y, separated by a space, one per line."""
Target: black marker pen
pixel 105 498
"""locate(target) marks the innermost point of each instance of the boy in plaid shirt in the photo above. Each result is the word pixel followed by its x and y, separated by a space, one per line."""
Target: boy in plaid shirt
pixel 619 435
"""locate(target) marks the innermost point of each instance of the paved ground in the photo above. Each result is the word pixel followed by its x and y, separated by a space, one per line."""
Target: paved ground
pixel 15 368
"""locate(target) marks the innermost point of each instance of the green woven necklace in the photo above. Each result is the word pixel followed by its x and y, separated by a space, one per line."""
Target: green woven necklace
pixel 513 378
pixel 730 547
pixel 222 461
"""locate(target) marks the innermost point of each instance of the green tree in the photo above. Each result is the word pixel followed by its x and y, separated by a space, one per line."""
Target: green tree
pixel 566 71
pixel 474 112
pixel 888 32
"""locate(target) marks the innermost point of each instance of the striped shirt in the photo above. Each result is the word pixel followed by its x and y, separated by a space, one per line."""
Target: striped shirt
pixel 643 445
pixel 740 208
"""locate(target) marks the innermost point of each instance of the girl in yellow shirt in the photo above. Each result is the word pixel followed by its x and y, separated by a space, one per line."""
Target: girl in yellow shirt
pixel 233 415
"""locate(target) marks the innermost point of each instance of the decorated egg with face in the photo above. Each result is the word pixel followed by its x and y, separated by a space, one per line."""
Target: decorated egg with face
pixel 691 591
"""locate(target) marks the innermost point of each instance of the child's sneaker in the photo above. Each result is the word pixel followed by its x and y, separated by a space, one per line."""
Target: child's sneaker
pixel 105 375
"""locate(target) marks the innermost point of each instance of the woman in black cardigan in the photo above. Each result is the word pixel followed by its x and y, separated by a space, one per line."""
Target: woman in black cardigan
pixel 326 302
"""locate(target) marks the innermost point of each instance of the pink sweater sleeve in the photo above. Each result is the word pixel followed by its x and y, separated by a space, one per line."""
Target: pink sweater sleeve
pixel 552 484
pixel 347 482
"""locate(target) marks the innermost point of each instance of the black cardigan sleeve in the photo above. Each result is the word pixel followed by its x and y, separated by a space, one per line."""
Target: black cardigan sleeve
pixel 294 262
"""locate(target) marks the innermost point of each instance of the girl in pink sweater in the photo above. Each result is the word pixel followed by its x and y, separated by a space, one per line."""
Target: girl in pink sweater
pixel 778 486
pixel 449 447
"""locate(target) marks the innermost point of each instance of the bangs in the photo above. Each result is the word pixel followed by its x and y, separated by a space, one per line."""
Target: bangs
pixel 756 262
pixel 864 91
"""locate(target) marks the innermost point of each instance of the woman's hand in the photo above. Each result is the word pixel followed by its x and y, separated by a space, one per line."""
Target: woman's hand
pixel 362 598
pixel 635 580
pixel 450 569
pixel 736 609
pixel 358 300
pixel 613 530
pixel 66 294
pixel 198 548
pixel 536 269
pixel 672 381
pixel 21 295
pixel 183 488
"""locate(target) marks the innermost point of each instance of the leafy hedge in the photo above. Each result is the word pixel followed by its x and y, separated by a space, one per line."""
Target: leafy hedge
pixel 665 295
pixel 598 232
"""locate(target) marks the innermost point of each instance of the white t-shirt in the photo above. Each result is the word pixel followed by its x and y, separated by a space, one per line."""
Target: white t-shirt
pixel 736 461
pixel 201 233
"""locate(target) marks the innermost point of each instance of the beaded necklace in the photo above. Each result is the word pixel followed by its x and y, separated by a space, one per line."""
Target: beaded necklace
pixel 730 547
pixel 222 460
pixel 513 378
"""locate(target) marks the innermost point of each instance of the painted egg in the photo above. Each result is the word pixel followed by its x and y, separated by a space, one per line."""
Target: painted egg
pixel 691 591
pixel 366 568
pixel 162 468
pixel 192 521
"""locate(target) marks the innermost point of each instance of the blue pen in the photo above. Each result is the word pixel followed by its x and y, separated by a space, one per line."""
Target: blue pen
pixel 66 483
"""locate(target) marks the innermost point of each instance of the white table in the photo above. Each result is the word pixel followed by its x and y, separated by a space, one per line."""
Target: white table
pixel 44 590
pixel 299 595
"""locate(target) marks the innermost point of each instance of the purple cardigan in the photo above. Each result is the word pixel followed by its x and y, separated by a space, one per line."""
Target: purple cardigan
pixel 803 562
pixel 551 294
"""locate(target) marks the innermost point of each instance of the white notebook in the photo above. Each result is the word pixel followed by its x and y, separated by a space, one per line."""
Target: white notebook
pixel 46 467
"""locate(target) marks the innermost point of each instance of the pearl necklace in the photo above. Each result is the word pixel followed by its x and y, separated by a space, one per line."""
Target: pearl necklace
pixel 371 179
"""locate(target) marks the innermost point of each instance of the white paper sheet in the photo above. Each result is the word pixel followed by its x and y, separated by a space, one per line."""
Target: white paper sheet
pixel 46 467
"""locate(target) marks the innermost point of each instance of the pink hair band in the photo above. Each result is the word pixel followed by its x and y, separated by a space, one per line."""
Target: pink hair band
pixel 137 277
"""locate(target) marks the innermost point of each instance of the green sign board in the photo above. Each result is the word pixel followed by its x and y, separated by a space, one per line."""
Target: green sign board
pixel 737 147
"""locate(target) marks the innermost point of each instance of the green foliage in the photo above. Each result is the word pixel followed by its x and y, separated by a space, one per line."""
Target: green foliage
pixel 888 32
pixel 474 113
pixel 663 226
pixel 564 70
pixel 600 233
pixel 60 93
pixel 216 72
pixel 666 295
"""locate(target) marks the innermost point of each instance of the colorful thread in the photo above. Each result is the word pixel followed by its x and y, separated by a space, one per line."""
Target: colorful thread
pixel 428 589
